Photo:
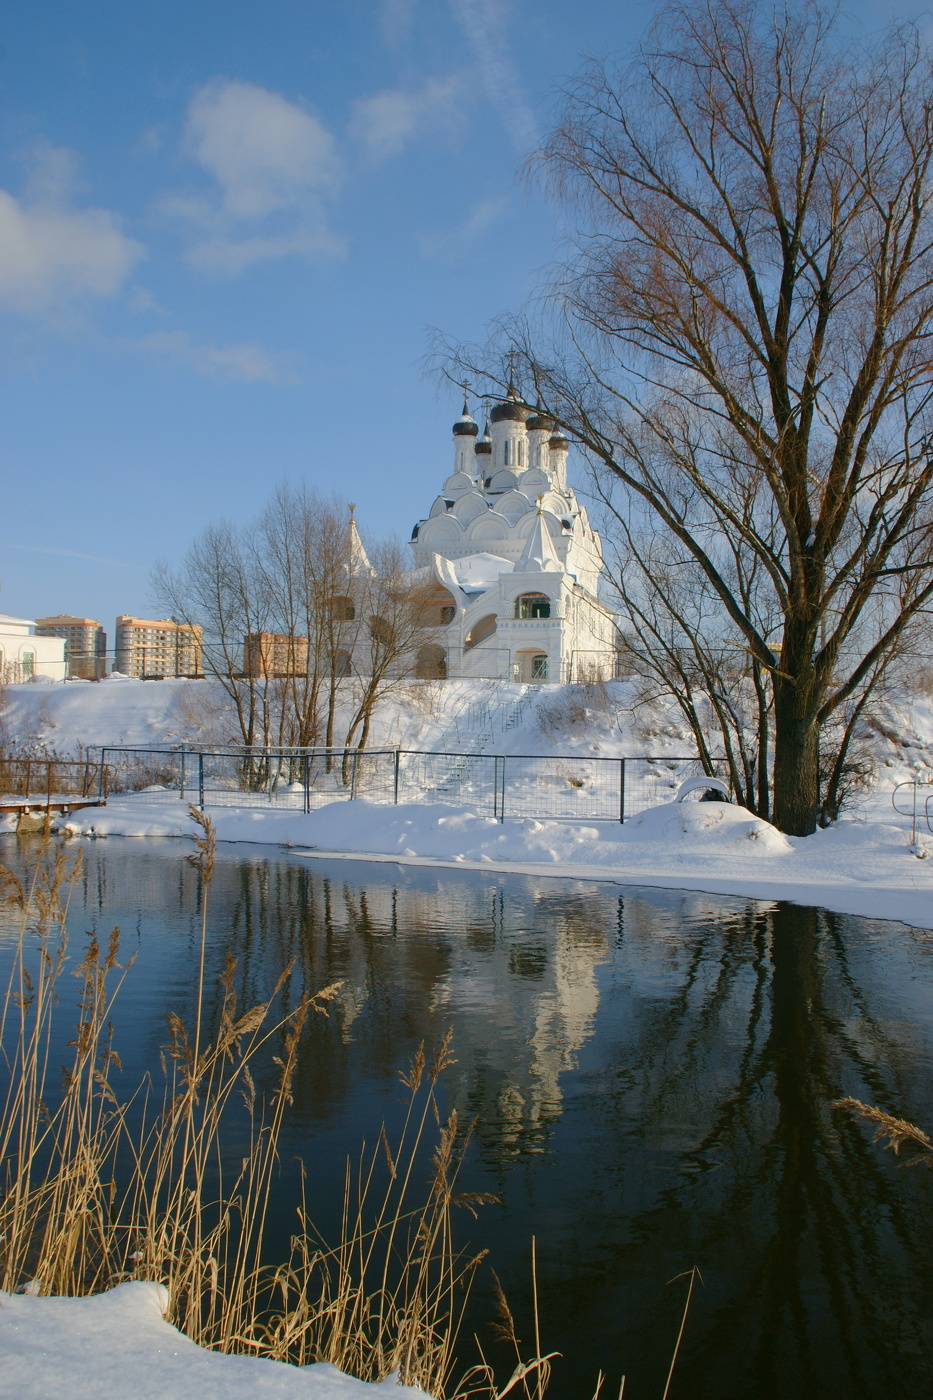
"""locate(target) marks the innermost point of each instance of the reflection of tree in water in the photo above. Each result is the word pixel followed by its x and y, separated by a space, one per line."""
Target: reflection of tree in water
pixel 653 1075
pixel 717 1146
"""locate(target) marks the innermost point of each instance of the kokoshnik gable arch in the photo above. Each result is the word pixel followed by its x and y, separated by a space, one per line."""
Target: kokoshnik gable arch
pixel 513 561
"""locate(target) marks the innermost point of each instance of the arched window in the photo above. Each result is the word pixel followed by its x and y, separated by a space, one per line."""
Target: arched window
pixel 381 630
pixel 521 452
pixel 431 664
pixel 344 610
pixel 480 631
pixel 342 665
pixel 27 661
pixel 506 451
pixel 532 605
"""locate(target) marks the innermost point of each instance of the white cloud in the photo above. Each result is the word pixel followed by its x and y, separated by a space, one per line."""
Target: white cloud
pixel 484 23
pixel 232 255
pixel 271 164
pixel 484 215
pixel 386 121
pixel 53 252
pixel 265 152
pixel 249 364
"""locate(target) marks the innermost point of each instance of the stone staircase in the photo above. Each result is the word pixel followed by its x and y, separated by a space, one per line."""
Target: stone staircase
pixel 471 730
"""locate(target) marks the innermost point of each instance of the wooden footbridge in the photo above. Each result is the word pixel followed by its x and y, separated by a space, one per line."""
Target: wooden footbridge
pixel 34 788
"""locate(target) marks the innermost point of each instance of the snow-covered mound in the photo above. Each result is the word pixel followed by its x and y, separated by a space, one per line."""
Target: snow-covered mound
pixel 118 1344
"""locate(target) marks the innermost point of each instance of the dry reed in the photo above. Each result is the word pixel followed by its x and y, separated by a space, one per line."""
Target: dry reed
pixel 96 1188
pixel 897 1134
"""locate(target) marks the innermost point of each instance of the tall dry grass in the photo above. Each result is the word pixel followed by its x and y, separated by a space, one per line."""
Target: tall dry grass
pixel 98 1186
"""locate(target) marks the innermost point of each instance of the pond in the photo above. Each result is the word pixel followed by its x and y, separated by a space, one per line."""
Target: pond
pixel 651 1074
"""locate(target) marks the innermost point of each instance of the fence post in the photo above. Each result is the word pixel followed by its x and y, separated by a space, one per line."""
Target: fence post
pixel 307 783
pixel 356 773
pixel 495 785
pixel 397 756
pixel 621 790
pixel 502 800
pixel 183 774
pixel 101 781
pixel 201 781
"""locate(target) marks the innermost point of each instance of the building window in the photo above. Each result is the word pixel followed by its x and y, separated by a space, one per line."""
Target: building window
pixel 506 453
pixel 448 614
pixel 342 663
pixel 431 664
pixel 521 453
pixel 27 663
pixel 539 668
pixel 344 611
pixel 532 605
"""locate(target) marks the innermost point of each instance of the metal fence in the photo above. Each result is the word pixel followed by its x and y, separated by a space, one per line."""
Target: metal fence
pixel 501 785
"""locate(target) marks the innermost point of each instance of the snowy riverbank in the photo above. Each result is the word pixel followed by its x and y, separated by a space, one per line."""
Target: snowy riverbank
pixel 862 865
pixel 118 1344
pixel 855 867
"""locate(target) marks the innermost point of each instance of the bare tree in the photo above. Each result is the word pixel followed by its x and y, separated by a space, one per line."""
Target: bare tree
pixel 219 587
pixel 304 630
pixel 744 339
pixel 397 607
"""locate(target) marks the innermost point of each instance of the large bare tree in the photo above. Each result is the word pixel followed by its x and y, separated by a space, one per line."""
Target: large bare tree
pixel 744 338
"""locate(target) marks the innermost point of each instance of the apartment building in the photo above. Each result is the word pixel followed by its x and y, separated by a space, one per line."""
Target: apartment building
pixel 274 654
pixel 157 649
pixel 85 643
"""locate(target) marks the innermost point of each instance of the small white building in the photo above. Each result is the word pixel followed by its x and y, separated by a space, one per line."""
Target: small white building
pixel 515 561
pixel 24 656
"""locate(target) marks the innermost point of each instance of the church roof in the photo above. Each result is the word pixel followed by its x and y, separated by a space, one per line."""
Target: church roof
pixel 359 559
pixel 539 555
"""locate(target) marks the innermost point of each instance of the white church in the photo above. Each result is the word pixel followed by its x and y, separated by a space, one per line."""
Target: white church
pixel 514 561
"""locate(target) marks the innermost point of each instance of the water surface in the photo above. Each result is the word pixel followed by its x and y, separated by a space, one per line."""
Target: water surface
pixel 651 1074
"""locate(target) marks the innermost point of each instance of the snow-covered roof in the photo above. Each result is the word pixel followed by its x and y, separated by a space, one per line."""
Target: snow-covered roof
pixel 477 572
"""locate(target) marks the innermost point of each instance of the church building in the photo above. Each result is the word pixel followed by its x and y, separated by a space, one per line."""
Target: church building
pixel 513 559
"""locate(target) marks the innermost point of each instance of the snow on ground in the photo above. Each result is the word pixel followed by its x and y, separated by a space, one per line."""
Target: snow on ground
pixel 853 867
pixel 118 1344
pixel 862 865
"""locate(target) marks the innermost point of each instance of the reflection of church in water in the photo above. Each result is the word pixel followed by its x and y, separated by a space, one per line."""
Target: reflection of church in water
pixel 514 561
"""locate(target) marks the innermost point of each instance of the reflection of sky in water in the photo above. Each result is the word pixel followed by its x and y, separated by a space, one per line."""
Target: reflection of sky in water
pixel 651 1072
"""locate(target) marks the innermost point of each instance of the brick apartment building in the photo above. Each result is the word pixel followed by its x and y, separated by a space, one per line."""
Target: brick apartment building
pixel 162 648
pixel 85 644
pixel 274 654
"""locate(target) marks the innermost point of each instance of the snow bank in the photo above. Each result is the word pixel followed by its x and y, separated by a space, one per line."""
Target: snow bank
pixel 853 867
pixel 118 1345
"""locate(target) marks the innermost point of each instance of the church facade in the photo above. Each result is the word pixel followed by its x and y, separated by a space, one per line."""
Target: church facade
pixel 511 560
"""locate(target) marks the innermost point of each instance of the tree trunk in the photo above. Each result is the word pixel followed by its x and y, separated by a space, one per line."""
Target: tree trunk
pixel 796 761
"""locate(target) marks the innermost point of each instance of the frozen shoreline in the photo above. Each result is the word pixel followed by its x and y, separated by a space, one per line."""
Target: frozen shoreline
pixel 862 867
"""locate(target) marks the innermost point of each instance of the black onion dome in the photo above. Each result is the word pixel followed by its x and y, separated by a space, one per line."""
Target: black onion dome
pixel 508 410
pixel 465 427
pixel 558 440
pixel 540 423
pixel 484 445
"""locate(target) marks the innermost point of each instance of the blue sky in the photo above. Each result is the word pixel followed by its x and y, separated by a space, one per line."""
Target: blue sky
pixel 225 229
